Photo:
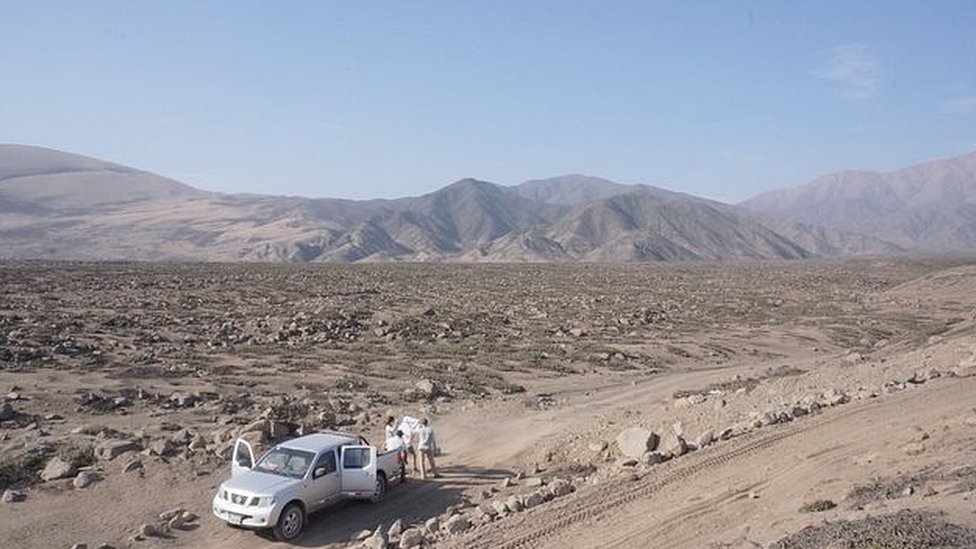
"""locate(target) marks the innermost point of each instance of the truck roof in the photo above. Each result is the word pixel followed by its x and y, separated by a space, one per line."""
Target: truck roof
pixel 319 441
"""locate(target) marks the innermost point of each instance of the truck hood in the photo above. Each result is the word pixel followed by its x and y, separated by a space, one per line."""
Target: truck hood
pixel 257 483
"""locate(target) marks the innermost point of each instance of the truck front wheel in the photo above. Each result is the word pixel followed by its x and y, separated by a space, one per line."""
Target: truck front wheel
pixel 290 523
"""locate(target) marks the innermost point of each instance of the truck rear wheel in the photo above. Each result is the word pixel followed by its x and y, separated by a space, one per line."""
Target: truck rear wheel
pixel 290 523
pixel 381 486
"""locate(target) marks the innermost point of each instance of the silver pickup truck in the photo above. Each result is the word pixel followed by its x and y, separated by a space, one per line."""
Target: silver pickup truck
pixel 300 476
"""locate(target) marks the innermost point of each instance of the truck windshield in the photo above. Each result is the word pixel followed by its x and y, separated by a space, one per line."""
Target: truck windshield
pixel 286 462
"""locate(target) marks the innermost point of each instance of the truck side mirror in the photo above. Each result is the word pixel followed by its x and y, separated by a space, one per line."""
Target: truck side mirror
pixel 319 472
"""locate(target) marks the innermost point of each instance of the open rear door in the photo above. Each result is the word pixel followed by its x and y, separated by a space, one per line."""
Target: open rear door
pixel 359 470
pixel 243 457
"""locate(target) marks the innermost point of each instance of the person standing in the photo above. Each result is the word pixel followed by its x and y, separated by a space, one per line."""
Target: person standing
pixel 396 444
pixel 426 447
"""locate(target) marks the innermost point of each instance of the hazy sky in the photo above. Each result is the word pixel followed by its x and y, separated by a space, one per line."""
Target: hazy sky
pixel 378 99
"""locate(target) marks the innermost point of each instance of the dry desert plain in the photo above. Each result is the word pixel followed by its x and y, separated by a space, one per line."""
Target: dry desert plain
pixel 792 404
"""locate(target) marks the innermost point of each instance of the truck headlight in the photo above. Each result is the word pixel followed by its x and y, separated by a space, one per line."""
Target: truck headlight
pixel 262 501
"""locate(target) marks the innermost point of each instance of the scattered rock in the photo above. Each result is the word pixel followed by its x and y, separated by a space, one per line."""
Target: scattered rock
pixel 653 458
pixel 633 442
pixel 150 530
pixel 432 525
pixel 533 482
pixel 84 480
pixel 133 465
pixel 6 411
pixel 627 462
pixel 13 496
pixel 363 536
pixel 111 449
pixel 690 400
pixel 166 516
pixel 913 448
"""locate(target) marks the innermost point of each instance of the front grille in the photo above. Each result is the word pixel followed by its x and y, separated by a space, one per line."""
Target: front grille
pixel 239 499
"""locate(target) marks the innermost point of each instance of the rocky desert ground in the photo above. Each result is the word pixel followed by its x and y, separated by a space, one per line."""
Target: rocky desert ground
pixel 767 404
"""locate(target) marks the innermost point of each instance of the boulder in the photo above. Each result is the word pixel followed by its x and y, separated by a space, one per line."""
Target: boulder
pixel 499 507
pixel 432 525
pixel 705 438
pixel 633 442
pixel 456 524
pixel 597 446
pixel 533 482
pixel 514 503
pixel 675 445
pixel 150 530
pixel 176 523
pixel 57 468
pixel 560 487
pixel 395 529
pixel 534 499
pixel 965 368
pixel 163 447
pixel 378 540
pixel 412 537
pixel 835 397
pixel 427 389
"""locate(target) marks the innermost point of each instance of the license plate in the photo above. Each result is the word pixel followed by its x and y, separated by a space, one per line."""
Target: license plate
pixel 234 518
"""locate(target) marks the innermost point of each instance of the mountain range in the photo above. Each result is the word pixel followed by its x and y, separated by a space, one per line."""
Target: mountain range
pixel 929 207
pixel 57 205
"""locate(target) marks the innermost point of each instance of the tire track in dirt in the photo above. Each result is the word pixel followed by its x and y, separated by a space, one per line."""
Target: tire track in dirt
pixel 590 504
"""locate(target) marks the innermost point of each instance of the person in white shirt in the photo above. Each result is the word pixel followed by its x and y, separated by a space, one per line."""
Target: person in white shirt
pixel 426 447
pixel 397 444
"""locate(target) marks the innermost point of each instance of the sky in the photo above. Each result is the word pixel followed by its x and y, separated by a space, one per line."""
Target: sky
pixel 361 99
